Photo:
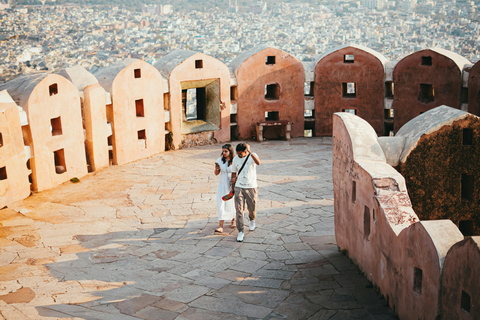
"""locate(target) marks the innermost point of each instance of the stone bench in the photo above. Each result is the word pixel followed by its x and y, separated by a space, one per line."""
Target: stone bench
pixel 285 124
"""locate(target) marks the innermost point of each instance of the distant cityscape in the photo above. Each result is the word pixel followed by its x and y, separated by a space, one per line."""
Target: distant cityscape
pixel 36 38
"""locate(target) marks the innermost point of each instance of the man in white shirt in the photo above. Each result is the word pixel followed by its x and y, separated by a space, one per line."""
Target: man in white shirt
pixel 244 179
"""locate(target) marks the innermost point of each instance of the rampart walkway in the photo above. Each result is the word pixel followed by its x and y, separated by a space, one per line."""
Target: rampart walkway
pixel 136 242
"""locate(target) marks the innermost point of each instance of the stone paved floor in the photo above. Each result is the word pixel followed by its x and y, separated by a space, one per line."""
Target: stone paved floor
pixel 137 242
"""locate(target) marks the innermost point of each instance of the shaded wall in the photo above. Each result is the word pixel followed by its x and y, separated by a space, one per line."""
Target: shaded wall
pixel 375 223
pixel 422 81
pixel 474 89
pixel 443 175
pixel 253 75
pixel 332 74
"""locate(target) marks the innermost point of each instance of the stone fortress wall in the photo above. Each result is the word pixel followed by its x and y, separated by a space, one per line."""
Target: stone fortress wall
pixel 56 127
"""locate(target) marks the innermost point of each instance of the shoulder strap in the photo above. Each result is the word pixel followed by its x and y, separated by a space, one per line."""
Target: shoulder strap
pixel 243 165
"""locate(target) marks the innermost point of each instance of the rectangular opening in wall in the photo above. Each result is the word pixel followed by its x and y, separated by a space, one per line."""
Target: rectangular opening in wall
pixel 349 90
pixel 464 98
pixel 467 136
pixel 426 93
pixel 166 101
pixel 466 227
pixel 352 111
pixel 354 191
pixel 233 93
pixel 388 113
pixel 28 164
pixel 270 60
pixel 373 216
pixel 417 280
pixel 426 61
pixel 198 64
pixel 53 89
pixel 233 119
pixel 56 126
pixel 1 140
pixel 366 222
pixel 389 89
pixel 467 185
pixel 194 104
pixel 272 116
pixel 309 89
pixel 3 173
pixel 59 158
pixel 139 109
pixel 142 138
pixel 308 114
pixel 465 301
pixel 137 73
pixel 348 58
pixel 272 91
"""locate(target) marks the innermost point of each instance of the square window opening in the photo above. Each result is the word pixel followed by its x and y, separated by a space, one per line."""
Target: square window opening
pixel 426 61
pixel 389 89
pixel 466 227
pixel 388 113
pixel 233 119
pixel 272 116
pixel 272 91
pixel 308 133
pixel 56 126
pixel 198 64
pixel 137 73
pixel 467 185
pixel 308 114
pixel 366 222
pixel 467 137
pixel 417 280
pixel 349 58
pixel 270 60
pixel 426 93
pixel 53 89
pixel 465 301
pixel 309 89
pixel 349 90
pixel 59 158
pixel 139 109
pixel 3 173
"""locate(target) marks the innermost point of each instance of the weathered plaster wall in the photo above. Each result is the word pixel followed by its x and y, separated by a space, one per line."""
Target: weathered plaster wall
pixel 431 68
pixel 186 70
pixel 128 143
pixel 375 223
pixel 366 71
pixel 433 173
pixel 461 281
pixel 14 185
pixel 41 108
pixel 253 75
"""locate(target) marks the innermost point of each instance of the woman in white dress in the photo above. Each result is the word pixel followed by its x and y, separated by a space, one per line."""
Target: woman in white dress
pixel 226 209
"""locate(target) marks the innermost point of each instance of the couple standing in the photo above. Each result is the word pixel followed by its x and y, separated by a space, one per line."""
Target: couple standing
pixel 238 175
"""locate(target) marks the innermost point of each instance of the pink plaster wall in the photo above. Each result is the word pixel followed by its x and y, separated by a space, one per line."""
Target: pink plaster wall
pixel 12 156
pixel 461 272
pixel 125 90
pixel 444 74
pixel 186 71
pixel 41 108
pixel 253 75
pixel 367 72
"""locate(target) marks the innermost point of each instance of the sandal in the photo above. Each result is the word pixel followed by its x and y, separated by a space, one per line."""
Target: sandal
pixel 219 230
pixel 232 224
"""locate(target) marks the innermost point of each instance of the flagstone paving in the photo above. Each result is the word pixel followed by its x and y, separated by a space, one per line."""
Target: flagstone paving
pixel 137 242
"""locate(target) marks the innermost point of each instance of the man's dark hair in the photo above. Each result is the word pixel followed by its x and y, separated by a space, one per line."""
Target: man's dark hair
pixel 240 147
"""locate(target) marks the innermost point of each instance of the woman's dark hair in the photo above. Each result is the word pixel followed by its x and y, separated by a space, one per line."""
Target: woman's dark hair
pixel 229 147
pixel 241 147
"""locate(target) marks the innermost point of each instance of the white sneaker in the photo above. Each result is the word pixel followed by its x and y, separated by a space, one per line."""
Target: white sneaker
pixel 252 225
pixel 240 236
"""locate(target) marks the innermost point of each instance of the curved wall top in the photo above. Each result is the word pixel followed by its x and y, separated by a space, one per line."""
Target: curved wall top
pixel 22 87
pixel 79 76
pixel 106 76
pixel 241 58
pixel 374 53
